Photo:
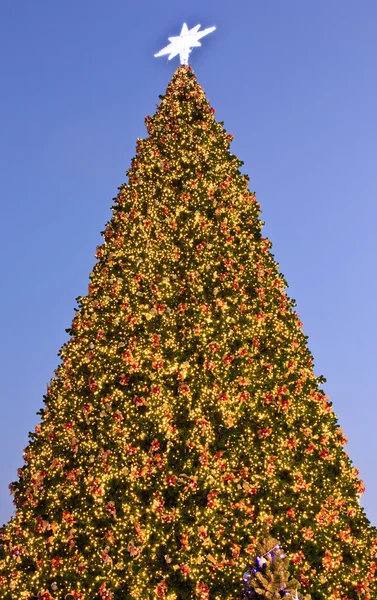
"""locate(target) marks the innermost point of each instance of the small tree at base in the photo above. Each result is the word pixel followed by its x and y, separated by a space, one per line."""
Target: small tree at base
pixel 269 577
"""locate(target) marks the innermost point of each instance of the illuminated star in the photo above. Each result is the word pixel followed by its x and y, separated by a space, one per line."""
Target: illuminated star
pixel 182 44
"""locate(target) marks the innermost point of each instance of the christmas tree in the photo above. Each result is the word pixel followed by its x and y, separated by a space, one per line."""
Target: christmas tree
pixel 185 417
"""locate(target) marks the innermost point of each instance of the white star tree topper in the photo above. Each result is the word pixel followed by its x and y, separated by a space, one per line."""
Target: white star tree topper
pixel 182 44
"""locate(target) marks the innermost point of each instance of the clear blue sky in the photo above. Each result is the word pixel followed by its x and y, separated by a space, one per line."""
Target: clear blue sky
pixel 294 81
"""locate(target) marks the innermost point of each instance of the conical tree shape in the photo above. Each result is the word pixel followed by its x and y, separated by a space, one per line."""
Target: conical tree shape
pixel 185 415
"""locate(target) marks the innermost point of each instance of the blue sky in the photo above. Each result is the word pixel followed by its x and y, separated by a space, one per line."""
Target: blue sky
pixel 296 84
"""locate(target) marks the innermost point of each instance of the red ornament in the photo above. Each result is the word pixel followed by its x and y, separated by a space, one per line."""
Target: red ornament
pixel 110 507
pixel 139 401
pixel 291 513
pixel 161 589
pixel 202 590
pixel 211 498
pixel 185 570
pixel 264 433
pixel 171 480
pixel 103 592
pixel 124 380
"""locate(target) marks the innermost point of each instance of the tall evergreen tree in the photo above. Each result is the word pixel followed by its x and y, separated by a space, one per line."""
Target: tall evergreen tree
pixel 185 416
